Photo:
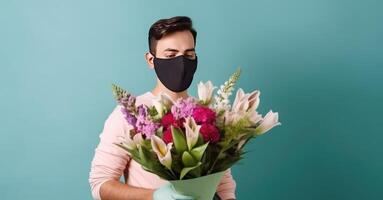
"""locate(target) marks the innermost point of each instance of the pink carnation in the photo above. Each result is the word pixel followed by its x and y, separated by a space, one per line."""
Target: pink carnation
pixel 204 115
pixel 210 133
pixel 169 119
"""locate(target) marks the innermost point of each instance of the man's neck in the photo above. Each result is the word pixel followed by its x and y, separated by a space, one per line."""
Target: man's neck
pixel 174 95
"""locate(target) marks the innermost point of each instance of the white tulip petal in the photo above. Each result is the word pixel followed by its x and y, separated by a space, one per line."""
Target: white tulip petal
pixel 191 132
pixel 205 91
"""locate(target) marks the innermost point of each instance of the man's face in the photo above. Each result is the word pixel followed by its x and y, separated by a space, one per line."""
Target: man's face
pixel 173 45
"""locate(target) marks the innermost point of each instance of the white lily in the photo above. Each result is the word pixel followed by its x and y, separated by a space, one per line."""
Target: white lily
pixel 127 142
pixel 138 139
pixel 232 117
pixel 159 107
pixel 191 131
pixel 254 117
pixel 268 122
pixel 162 150
pixel 244 105
pixel 161 103
pixel 246 101
pixel 205 91
pixel 130 143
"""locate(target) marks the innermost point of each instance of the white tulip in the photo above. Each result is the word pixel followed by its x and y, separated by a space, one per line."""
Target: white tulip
pixel 162 150
pixel 192 132
pixel 205 91
pixel 268 122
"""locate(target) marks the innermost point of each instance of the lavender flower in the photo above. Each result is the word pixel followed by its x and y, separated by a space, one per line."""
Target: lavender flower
pixel 142 111
pixel 146 126
pixel 127 100
pixel 143 124
pixel 129 117
pixel 183 108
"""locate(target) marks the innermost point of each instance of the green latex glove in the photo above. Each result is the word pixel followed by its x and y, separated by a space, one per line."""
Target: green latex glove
pixel 167 192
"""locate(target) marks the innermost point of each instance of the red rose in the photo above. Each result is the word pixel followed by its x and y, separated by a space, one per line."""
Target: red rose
pixel 210 133
pixel 167 136
pixel 204 115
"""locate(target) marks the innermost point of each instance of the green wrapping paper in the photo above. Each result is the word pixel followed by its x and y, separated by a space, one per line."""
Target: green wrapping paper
pixel 201 188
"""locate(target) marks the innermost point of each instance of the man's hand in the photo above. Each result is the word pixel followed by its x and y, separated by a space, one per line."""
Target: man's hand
pixel 167 192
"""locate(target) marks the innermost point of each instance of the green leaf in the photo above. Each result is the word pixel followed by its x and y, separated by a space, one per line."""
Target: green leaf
pixel 132 152
pixel 188 159
pixel 160 132
pixel 144 156
pixel 200 140
pixel 152 110
pixel 199 151
pixel 186 170
pixel 179 140
pixel 150 163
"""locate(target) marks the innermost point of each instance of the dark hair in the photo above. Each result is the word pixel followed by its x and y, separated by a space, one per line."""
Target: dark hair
pixel 164 27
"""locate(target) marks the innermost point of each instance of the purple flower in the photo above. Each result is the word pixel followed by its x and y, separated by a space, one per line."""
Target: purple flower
pixel 183 108
pixel 127 100
pixel 143 123
pixel 146 126
pixel 142 111
pixel 129 117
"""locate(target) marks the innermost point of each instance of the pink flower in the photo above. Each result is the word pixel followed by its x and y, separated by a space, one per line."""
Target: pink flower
pixel 167 120
pixel 183 107
pixel 210 133
pixel 203 115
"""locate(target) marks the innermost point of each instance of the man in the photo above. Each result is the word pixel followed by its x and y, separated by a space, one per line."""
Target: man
pixel 173 57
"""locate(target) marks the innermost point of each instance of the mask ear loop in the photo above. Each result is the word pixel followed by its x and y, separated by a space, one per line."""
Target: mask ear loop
pixel 152 54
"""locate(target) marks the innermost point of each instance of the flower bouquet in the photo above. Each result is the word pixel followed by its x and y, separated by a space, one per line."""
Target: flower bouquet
pixel 191 142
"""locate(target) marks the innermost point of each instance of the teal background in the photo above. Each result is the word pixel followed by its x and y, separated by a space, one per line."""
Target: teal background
pixel 317 62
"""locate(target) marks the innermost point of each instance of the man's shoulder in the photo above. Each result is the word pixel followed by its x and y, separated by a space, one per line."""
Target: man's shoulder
pixel 145 98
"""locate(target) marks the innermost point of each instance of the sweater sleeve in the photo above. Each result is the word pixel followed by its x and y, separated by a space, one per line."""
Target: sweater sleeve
pixel 226 187
pixel 109 160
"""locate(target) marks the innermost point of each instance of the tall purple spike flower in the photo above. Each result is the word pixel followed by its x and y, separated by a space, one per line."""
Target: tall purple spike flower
pixel 127 100
pixel 129 117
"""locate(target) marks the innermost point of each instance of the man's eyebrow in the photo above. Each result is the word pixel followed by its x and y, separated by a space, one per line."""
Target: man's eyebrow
pixel 169 49
pixel 191 49
pixel 175 50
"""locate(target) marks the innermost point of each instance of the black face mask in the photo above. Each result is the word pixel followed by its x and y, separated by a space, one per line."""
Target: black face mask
pixel 176 73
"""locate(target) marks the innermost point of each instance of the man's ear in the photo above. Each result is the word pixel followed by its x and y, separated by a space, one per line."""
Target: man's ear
pixel 149 59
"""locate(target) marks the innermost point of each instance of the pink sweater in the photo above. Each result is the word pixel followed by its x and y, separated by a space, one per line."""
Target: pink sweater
pixel 111 162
